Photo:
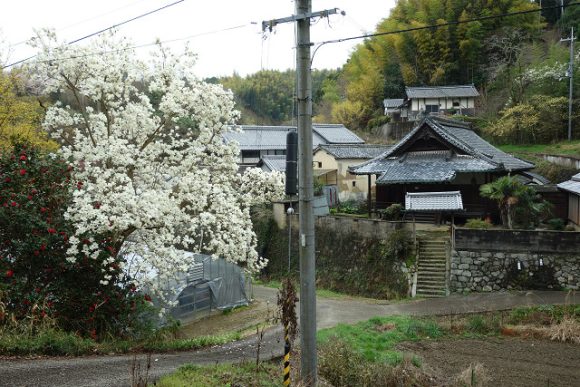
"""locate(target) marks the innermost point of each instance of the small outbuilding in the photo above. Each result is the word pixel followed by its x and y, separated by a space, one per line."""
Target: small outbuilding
pixel 572 187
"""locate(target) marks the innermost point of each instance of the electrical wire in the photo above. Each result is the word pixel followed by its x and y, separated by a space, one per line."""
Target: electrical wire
pixel 85 20
pixel 103 30
pixel 135 47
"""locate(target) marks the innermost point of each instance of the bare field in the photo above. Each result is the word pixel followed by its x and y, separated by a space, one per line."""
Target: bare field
pixel 508 361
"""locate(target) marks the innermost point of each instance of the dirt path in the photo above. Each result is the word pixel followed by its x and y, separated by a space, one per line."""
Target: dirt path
pixel 508 361
pixel 115 370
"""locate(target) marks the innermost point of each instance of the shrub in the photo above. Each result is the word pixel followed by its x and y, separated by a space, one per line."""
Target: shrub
pixel 477 224
pixel 556 224
pixel 393 212
pixel 38 282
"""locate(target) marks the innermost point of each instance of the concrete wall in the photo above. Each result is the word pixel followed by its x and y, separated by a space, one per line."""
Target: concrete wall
pixel 517 241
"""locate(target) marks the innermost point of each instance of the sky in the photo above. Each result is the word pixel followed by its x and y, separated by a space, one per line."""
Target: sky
pixel 226 34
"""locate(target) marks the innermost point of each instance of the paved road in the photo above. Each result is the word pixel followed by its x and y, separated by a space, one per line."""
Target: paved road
pixel 115 370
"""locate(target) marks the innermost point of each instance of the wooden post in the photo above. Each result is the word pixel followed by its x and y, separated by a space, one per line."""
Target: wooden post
pixel 369 195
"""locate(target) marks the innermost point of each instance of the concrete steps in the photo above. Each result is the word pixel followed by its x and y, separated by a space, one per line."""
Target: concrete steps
pixel 432 266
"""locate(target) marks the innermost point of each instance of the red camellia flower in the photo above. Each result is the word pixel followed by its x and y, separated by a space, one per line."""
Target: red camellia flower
pixel 13 204
pixel 22 172
pixel 147 297
pixel 23 158
pixel 80 185
pixel 42 209
pixel 34 191
pixel 29 197
pixel 9 273
pixel 8 180
pixel 51 231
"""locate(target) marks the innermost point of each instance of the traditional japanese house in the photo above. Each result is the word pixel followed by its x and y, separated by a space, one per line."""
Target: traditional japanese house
pixel 440 155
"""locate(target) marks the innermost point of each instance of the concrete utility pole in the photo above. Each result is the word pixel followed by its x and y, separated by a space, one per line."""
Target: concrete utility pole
pixel 570 75
pixel 305 182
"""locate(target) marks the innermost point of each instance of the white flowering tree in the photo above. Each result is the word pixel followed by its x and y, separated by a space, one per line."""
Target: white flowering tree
pixel 150 166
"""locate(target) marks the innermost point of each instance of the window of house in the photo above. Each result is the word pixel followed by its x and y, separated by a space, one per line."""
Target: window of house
pixel 250 154
pixel 431 108
pixel 456 103
pixel 354 183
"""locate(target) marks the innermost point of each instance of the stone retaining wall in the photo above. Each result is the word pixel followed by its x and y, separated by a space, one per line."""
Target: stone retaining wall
pixel 492 271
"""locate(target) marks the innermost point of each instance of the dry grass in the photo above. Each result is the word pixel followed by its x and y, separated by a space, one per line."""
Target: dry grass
pixel 474 376
pixel 566 331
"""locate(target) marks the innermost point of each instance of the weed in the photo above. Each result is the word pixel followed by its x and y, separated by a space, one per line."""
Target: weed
pixel 474 376
pixel 568 330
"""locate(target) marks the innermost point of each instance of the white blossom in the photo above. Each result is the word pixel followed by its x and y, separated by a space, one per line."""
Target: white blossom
pixel 137 174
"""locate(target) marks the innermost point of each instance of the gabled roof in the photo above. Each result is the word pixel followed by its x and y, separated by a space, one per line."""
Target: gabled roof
pixel 572 185
pixel 354 151
pixel 254 137
pixel 442 91
pixel 433 201
pixel 467 152
pixel 273 163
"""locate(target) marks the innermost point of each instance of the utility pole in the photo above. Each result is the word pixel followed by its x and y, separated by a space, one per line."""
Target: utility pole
pixel 570 75
pixel 302 18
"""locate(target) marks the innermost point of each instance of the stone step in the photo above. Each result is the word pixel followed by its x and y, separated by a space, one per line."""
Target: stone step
pixel 432 266
pixel 432 254
pixel 429 284
pixel 433 261
pixel 431 293
pixel 431 277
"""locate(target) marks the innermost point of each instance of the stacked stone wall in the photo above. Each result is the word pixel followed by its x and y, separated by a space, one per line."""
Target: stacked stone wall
pixel 492 260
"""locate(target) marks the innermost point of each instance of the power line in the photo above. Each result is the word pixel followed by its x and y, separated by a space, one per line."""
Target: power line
pixel 137 46
pixel 127 21
pixel 438 25
pixel 103 30
pixel 84 20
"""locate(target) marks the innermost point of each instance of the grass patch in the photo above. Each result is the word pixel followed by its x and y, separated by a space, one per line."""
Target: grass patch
pixel 245 374
pixel 376 338
pixel 560 148
pixel 57 343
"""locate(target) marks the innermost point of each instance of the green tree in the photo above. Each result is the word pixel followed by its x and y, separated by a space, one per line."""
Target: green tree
pixel 20 115
pixel 518 203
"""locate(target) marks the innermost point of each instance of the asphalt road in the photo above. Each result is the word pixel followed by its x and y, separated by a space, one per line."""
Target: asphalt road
pixel 116 370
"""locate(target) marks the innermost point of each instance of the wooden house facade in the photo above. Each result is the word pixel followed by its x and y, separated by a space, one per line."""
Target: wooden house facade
pixel 440 155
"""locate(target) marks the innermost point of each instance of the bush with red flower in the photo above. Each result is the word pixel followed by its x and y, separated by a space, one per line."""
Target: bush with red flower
pixel 36 279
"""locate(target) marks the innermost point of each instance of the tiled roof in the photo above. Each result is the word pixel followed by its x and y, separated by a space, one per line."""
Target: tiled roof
pixel 355 151
pixel 336 134
pixel 273 163
pixel 430 167
pixel 572 185
pixel 261 137
pixel 274 137
pixel 458 135
pixel 442 91
pixel 433 201
pixel 467 139
pixel 467 153
pixel 393 103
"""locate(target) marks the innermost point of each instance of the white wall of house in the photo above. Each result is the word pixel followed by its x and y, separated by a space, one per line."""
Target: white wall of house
pixel 350 186
pixel 420 104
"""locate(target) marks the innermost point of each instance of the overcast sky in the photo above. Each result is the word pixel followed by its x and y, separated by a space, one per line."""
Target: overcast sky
pixel 243 49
